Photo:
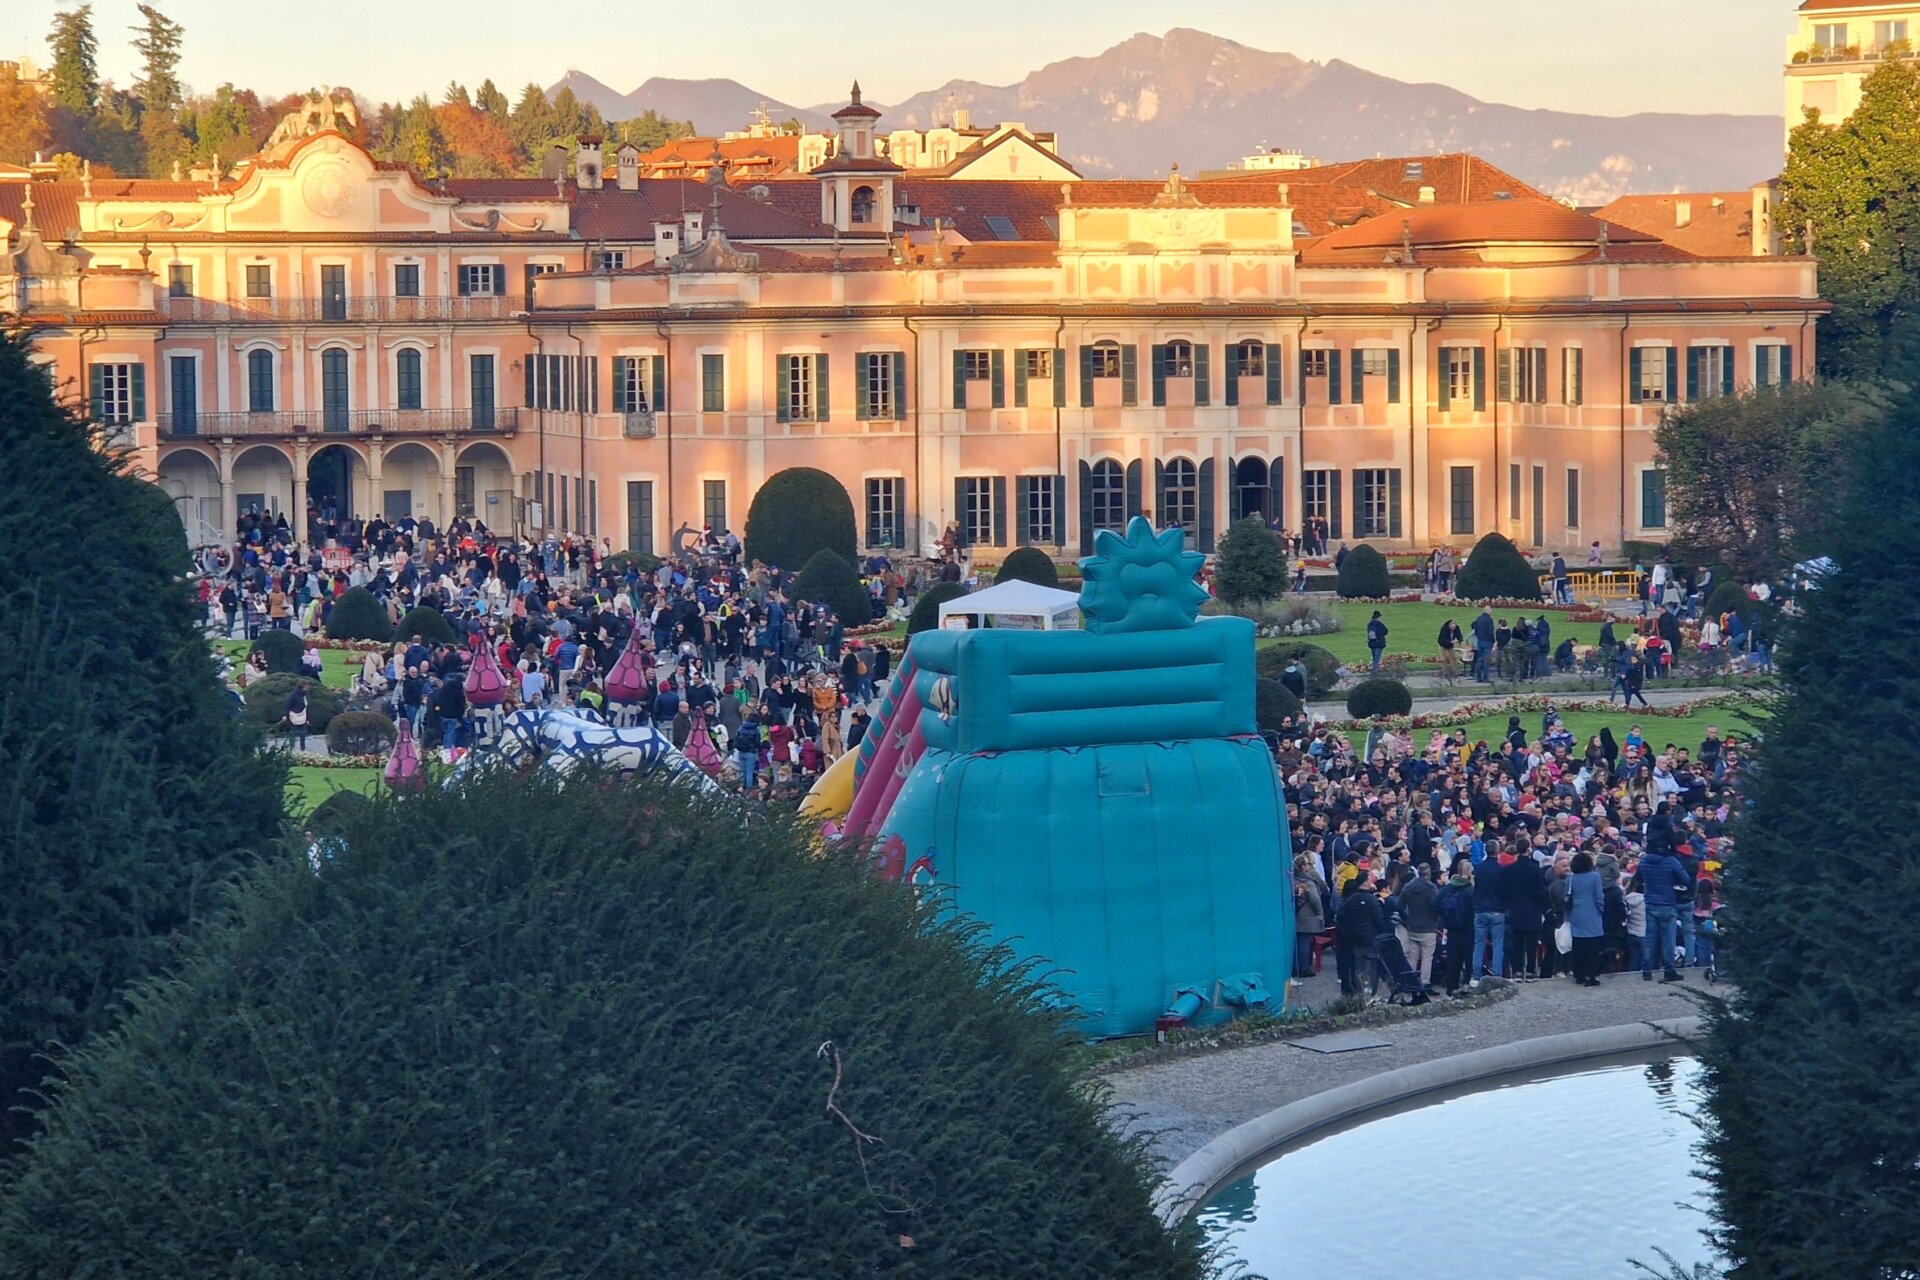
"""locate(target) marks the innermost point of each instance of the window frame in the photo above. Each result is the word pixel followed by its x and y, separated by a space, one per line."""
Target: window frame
pixel 409 384
pixel 1316 362
pixel 1179 358
pixel 1653 377
pixel 1316 493
pixel 713 499
pixel 798 393
pixel 1038 362
pixel 406 279
pixel 1251 358
pixel 976 515
pixel 1105 362
pixel 1043 512
pixel 1457 526
pixel 1572 497
pixel 179 279
pixel 1107 488
pixel 881 394
pixel 258 279
pixel 885 503
pixel 1179 496
pixel 258 358
pixel 1372 502
pixel 116 391
pixel 1658 494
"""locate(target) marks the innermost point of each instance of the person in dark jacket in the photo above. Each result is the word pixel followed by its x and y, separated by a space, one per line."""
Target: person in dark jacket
pixel 1663 876
pixel 450 704
pixel 1455 906
pixel 1420 918
pixel 1489 920
pixel 1525 888
pixel 1586 916
pixel 1376 639
pixel 1361 922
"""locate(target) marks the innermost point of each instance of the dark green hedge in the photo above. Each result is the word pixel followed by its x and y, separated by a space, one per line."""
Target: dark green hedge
pixel 358 733
pixel 1379 697
pixel 358 616
pixel 1322 668
pixel 550 1029
pixel 1250 565
pixel 282 648
pixel 266 703
pixel 1495 570
pixel 797 513
pixel 1363 575
pixel 428 623
pixel 830 580
pixel 926 610
pixel 1272 703
pixel 1028 564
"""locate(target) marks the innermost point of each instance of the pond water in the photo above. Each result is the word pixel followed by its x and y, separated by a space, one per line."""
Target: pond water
pixel 1571 1175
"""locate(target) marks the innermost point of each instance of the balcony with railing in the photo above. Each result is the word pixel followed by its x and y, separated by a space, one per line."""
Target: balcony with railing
pixel 286 423
pixel 1826 56
pixel 352 310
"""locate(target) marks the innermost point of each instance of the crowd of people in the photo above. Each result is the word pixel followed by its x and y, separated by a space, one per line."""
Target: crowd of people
pixel 1472 856
pixel 775 683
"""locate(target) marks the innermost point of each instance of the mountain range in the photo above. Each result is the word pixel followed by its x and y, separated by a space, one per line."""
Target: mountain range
pixel 1203 101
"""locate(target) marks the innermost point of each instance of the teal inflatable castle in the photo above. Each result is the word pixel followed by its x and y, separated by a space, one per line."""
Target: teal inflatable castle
pixel 1099 799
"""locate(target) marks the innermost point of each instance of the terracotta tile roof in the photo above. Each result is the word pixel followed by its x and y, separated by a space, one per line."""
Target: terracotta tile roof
pixel 746 157
pixel 1456 178
pixel 1496 221
pixel 56 207
pixel 859 164
pixel 977 152
pixel 1719 223
pixel 1819 6
pixel 502 190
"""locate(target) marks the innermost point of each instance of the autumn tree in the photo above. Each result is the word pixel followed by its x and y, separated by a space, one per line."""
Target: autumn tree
pixel 23 117
pixel 1850 195
pixel 1753 480
pixel 477 144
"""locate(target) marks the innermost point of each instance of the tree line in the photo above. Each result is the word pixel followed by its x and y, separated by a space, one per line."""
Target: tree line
pixel 155 125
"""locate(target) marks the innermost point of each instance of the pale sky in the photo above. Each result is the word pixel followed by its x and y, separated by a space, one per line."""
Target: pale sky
pixel 1608 57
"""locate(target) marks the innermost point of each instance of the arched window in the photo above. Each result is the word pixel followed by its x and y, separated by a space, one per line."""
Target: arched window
pixel 1179 358
pixel 862 205
pixel 1179 495
pixel 259 380
pixel 406 378
pixel 1250 494
pixel 1250 358
pixel 1109 494
pixel 1104 362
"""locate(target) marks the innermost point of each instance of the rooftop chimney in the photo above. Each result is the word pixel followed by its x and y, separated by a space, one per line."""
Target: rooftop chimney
pixel 628 167
pixel 587 165
pixel 666 241
pixel 1426 195
pixel 1683 213
pixel 963 119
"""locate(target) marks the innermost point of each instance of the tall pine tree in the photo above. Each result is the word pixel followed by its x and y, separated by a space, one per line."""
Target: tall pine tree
pixel 1814 1133
pixel 76 73
pixel 130 793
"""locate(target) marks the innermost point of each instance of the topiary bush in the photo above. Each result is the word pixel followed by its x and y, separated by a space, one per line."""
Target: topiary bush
pixel 1272 703
pixel 797 513
pixel 1495 570
pixel 1322 668
pixel 830 580
pixel 1363 575
pixel 1250 566
pixel 1726 597
pixel 1379 697
pixel 358 733
pixel 498 1034
pixel 428 623
pixel 131 792
pixel 283 650
pixel 358 616
pixel 926 610
pixel 266 703
pixel 641 561
pixel 1028 564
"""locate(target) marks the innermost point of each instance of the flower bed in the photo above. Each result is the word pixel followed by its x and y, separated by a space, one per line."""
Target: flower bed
pixel 1523 704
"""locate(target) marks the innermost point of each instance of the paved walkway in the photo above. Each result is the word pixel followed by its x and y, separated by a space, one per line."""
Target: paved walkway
pixel 1185 1102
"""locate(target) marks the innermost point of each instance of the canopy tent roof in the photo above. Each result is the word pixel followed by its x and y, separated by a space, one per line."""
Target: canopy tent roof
pixel 1026 601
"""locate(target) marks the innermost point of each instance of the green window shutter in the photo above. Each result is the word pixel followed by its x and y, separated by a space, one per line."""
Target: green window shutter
pixel 1160 489
pixel 959 379
pixel 1159 374
pixel 1202 373
pixel 1359 376
pixel 1762 360
pixel 1059 382
pixel 1333 505
pixel 861 386
pixel 1694 361
pixel 999 363
pixel 1019 379
pixel 1444 399
pixel 1129 375
pixel 1726 372
pixel 1021 486
pixel 1673 370
pixel 899 393
pixel 657 385
pixel 1086 508
pixel 1273 373
pixel 1786 365
pixel 97 392
pixel 960 507
pixel 1633 375
pixel 619 397
pixel 1301 378
pixel 1206 505
pixel 822 397
pixel 1135 476
pixel 1577 376
pixel 1277 491
pixel 713 383
pixel 999 511
pixel 1393 503
pixel 1393 376
pixel 1333 377
pixel 1540 375
pixel 1232 389
pixel 139 392
pixel 783 379
pixel 1086 377
pixel 1505 377
pixel 527 367
pixel 1479 379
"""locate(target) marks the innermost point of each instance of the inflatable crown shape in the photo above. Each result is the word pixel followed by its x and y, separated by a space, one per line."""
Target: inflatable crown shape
pixel 1143 581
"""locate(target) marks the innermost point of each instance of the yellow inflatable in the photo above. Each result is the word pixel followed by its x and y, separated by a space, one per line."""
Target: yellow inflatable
pixel 832 795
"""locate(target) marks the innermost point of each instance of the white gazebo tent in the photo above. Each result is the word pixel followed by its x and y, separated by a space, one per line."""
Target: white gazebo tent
pixel 1023 606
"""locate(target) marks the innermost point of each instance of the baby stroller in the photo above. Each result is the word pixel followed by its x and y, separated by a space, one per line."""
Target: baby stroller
pixel 1403 984
pixel 1716 927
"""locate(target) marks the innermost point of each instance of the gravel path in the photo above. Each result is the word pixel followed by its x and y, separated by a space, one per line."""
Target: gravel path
pixel 1185 1102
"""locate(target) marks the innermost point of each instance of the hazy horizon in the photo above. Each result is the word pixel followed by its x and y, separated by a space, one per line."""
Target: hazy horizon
pixel 1706 56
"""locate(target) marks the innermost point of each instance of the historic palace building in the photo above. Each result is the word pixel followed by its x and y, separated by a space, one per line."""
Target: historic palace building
pixel 1417 350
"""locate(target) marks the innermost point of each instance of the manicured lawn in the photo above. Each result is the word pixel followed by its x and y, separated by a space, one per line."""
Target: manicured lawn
pixel 1684 731
pixel 338 666
pixel 307 786
pixel 1415 628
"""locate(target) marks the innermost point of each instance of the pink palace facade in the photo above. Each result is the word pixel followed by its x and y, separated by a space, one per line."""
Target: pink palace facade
pixel 1419 350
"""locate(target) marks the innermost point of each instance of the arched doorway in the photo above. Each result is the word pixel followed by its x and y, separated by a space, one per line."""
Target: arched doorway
pixel 192 480
pixel 1250 492
pixel 410 483
pixel 332 473
pixel 483 487
pixel 262 481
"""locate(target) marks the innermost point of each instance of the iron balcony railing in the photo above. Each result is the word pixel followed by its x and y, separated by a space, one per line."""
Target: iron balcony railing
pixel 352 422
pixel 354 310
pixel 637 425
